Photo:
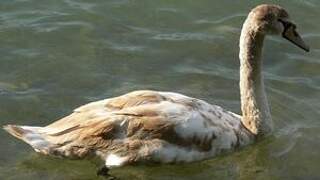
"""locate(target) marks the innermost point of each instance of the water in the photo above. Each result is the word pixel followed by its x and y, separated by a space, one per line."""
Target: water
pixel 57 55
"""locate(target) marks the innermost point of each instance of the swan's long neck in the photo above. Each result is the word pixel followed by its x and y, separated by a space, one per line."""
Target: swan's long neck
pixel 254 105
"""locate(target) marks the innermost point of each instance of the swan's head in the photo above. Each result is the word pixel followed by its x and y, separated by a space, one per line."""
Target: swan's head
pixel 273 19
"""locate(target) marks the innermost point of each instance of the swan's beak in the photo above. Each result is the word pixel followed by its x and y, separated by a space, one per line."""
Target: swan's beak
pixel 292 35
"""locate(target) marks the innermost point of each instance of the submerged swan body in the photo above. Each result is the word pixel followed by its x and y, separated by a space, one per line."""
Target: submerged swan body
pixel 165 127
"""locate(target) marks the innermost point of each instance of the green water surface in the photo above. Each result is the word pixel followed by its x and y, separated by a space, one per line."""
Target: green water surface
pixel 57 55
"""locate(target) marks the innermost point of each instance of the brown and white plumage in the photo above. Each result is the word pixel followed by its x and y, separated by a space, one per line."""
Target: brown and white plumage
pixel 140 126
pixel 151 126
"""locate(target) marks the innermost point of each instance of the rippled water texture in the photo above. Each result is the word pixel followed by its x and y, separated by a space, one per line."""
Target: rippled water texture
pixel 57 55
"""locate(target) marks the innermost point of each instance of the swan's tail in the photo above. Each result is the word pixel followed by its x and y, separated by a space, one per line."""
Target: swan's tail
pixel 30 135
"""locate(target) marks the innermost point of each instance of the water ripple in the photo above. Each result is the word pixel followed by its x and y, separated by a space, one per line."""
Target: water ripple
pixel 171 10
pixel 54 26
pixel 128 48
pixel 186 36
pixel 142 30
pixel 222 20
pixel 311 35
pixel 81 5
pixel 217 70
pixel 17 91
pixel 296 80
pixel 303 58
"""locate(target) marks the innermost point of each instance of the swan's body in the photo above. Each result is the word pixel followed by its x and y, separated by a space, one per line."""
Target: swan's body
pixel 141 126
pixel 150 126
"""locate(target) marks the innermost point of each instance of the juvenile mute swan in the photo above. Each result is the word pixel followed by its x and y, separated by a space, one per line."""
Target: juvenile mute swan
pixel 165 127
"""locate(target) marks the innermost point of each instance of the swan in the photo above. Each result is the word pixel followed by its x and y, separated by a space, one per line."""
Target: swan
pixel 165 127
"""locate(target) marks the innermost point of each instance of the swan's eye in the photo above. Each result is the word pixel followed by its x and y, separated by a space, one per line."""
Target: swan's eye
pixel 287 24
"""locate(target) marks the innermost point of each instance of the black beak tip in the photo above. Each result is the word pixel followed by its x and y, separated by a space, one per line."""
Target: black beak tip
pixel 307 49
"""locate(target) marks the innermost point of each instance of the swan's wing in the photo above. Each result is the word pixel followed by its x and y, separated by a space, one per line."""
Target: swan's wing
pixel 104 108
